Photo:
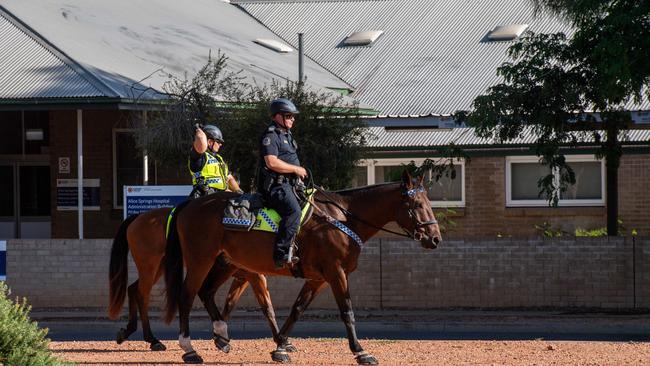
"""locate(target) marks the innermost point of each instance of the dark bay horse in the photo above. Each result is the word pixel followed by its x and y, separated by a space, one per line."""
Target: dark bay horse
pixel 144 236
pixel 327 254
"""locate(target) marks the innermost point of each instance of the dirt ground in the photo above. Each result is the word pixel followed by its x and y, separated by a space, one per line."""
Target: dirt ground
pixel 320 351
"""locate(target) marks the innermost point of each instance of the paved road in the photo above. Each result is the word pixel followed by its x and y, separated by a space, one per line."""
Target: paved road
pixel 430 325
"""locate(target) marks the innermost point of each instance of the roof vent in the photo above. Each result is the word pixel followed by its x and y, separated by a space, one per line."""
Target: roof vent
pixel 362 38
pixel 507 32
pixel 276 46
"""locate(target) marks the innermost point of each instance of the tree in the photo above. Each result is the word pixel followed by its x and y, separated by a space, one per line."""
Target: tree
pixel 569 91
pixel 328 129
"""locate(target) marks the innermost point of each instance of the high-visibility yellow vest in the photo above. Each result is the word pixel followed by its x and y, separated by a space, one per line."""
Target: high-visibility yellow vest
pixel 214 172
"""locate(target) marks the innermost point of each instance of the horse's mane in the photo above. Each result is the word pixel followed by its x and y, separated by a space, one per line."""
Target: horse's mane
pixel 356 190
pixel 347 194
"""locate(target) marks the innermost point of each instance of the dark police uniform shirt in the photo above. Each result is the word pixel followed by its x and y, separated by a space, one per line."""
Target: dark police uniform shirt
pixel 279 142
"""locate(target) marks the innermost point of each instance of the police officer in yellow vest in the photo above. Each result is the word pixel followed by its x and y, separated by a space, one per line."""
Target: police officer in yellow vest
pixel 209 171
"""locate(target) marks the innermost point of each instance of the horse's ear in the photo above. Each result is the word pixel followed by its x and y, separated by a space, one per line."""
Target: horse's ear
pixel 406 179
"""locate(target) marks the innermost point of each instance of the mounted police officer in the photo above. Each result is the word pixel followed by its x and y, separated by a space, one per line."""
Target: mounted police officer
pixel 279 171
pixel 209 171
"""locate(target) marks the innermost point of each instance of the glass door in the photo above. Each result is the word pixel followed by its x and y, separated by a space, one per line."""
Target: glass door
pixel 7 202
pixel 25 201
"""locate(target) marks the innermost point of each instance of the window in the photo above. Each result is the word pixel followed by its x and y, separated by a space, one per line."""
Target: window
pixel 445 192
pixel 34 190
pixel 24 132
pixel 523 173
pixel 127 164
pixel 359 177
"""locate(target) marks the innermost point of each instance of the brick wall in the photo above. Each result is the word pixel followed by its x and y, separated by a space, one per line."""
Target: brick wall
pixel 596 272
pixel 98 163
pixel 484 216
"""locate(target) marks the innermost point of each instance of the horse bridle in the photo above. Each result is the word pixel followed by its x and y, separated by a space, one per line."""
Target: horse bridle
pixel 416 235
pixel 411 212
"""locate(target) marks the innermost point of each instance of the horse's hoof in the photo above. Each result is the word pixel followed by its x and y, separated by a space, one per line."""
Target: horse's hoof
pixel 192 357
pixel 366 359
pixel 280 356
pixel 222 343
pixel 157 346
pixel 121 336
pixel 289 347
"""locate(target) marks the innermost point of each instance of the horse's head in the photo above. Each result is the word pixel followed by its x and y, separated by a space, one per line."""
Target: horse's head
pixel 415 215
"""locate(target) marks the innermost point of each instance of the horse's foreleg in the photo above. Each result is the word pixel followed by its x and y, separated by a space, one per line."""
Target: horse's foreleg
pixel 339 282
pixel 260 288
pixel 307 294
pixel 237 288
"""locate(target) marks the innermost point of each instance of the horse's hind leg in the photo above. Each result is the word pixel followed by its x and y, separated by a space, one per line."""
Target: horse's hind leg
pixel 218 275
pixel 132 325
pixel 307 294
pixel 144 294
pixel 338 281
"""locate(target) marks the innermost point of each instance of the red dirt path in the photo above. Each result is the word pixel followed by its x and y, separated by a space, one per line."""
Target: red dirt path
pixel 316 351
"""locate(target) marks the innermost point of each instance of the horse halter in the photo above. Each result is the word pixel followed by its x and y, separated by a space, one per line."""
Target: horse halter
pixel 415 235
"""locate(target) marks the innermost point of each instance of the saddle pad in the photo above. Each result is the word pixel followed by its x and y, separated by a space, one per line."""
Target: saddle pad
pixel 269 220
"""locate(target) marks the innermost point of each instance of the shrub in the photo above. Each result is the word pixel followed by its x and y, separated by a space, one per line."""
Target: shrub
pixel 22 342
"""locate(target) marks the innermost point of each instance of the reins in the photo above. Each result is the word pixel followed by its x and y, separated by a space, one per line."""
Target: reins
pixel 406 233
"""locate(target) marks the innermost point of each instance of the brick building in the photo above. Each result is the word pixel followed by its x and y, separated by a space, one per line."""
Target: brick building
pixel 101 67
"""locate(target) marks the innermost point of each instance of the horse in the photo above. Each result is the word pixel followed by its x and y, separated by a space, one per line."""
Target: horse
pixel 329 247
pixel 144 236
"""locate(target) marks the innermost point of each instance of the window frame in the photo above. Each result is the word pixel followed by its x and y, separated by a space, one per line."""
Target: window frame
pixel 542 202
pixel 118 205
pixel 370 165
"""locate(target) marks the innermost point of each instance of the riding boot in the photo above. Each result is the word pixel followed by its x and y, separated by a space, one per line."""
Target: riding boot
pixel 281 255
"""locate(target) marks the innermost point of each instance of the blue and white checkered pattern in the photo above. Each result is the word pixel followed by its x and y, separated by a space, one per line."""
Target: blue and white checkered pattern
pixel 213 181
pixel 3 260
pixel 269 221
pixel 238 222
pixel 414 191
pixel 339 225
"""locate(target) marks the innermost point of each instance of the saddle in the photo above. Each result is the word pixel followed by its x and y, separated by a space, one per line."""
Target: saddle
pixel 247 212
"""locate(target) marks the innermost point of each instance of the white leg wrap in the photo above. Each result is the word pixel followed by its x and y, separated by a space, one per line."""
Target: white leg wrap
pixel 185 343
pixel 220 327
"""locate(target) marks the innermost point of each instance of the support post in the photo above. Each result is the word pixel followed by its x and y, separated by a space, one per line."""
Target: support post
pixel 80 175
pixel 301 57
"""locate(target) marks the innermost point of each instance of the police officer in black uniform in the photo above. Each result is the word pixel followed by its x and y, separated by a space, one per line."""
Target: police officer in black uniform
pixel 279 171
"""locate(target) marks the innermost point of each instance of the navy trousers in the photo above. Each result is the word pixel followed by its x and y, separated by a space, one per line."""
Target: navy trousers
pixel 282 199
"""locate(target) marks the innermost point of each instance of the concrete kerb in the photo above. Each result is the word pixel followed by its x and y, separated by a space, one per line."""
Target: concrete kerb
pixel 382 321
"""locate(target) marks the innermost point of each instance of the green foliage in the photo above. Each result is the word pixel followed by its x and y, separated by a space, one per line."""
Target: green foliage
pixel 22 343
pixel 327 130
pixel 547 230
pixel 554 83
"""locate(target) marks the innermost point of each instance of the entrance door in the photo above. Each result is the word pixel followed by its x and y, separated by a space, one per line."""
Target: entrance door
pixel 25 201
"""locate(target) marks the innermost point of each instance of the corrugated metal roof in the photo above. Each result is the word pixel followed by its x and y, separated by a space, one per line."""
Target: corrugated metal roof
pixel 431 59
pixel 131 46
pixel 380 137
pixel 31 70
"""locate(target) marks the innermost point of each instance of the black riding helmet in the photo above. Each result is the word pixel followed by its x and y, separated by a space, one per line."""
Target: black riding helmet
pixel 213 132
pixel 283 105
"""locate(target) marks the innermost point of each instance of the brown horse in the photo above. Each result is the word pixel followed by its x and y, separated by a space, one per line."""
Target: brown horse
pixel 327 254
pixel 144 236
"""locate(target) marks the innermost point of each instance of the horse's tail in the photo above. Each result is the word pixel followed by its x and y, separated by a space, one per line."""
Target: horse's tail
pixel 118 272
pixel 173 266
